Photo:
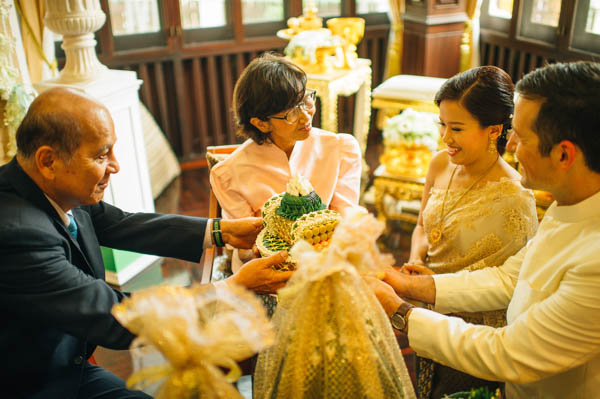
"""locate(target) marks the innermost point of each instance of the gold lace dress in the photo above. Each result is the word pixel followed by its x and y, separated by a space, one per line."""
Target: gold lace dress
pixel 489 224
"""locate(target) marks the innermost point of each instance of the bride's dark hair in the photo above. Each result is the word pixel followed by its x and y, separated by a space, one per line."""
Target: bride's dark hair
pixel 487 92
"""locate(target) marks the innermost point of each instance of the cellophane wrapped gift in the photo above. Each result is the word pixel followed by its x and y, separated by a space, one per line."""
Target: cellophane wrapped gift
pixel 333 338
pixel 202 332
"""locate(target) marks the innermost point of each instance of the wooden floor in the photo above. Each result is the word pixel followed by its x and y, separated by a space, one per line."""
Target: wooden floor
pixel 188 195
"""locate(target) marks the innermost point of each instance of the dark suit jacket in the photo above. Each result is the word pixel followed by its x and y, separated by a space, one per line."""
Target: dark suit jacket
pixel 54 303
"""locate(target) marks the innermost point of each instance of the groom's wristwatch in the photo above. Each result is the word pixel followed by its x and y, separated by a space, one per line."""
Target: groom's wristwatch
pixel 398 319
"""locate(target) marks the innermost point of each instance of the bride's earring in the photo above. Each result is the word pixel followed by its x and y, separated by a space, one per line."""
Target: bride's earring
pixel 492 146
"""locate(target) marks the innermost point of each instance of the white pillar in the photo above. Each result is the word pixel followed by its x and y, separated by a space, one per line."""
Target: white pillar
pixel 130 189
pixel 76 21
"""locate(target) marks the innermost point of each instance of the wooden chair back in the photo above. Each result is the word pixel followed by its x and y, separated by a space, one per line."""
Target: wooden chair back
pixel 214 154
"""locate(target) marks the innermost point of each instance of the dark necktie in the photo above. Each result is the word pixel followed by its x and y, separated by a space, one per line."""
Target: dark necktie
pixel 72 227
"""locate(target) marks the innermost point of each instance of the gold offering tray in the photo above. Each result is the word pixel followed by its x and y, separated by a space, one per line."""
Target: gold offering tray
pixel 288 33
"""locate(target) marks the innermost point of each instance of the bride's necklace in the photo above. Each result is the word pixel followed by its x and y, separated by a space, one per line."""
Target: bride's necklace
pixel 436 233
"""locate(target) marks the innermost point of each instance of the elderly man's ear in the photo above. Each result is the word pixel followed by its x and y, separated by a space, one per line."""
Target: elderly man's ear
pixel 45 159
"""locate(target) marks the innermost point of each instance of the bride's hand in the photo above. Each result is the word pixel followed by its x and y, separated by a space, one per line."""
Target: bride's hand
pixel 416 269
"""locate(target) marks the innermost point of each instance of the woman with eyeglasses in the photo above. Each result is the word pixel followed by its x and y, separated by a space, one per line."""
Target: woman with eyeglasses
pixel 273 109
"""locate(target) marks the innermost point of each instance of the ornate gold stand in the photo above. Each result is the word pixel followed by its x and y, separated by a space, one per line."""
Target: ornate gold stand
pixel 407 159
pixel 401 189
pixel 346 82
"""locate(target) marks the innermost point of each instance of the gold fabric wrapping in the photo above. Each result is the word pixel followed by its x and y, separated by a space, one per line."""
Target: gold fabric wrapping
pixel 201 332
pixel 333 338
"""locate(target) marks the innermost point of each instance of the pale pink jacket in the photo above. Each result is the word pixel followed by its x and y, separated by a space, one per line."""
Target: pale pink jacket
pixel 253 173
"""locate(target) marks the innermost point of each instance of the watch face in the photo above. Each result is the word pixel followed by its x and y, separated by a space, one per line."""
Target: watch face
pixel 398 321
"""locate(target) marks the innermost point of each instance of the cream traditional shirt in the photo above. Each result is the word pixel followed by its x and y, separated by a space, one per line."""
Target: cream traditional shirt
pixel 254 173
pixel 551 345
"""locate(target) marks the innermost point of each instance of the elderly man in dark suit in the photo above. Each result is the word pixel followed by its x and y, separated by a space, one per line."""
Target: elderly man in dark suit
pixel 54 303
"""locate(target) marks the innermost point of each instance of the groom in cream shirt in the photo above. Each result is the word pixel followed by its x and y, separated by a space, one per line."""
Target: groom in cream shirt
pixel 551 345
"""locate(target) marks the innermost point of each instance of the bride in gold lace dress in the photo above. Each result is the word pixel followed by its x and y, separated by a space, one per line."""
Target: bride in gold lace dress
pixel 474 212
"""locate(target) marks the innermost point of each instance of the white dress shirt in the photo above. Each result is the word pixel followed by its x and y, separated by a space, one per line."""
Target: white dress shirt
pixel 62 214
pixel 551 345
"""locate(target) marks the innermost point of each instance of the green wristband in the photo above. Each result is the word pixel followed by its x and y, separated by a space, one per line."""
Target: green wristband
pixel 216 232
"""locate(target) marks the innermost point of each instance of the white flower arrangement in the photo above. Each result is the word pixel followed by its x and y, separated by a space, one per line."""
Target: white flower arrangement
pixel 299 186
pixel 17 104
pixel 8 73
pixel 414 127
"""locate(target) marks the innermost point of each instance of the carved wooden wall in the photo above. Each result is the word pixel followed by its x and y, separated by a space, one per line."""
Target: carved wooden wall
pixel 190 95
pixel 515 60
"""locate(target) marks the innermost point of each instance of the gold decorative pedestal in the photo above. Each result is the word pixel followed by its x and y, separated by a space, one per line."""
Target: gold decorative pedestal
pixel 352 31
pixel 345 82
pixel 407 159
pixel 401 189
pixel 321 64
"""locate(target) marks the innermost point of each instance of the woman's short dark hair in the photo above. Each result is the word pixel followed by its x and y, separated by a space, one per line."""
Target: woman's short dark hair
pixel 269 84
pixel 487 93
pixel 570 94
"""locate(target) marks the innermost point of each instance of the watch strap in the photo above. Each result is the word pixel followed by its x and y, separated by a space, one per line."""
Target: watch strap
pixel 401 313
pixel 404 308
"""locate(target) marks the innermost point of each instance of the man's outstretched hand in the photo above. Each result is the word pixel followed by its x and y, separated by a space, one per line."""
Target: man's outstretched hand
pixel 259 276
pixel 241 233
pixel 385 294
pixel 412 282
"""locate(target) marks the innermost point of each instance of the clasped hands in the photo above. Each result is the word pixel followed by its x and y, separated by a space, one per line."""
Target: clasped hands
pixel 415 268
pixel 412 280
pixel 258 274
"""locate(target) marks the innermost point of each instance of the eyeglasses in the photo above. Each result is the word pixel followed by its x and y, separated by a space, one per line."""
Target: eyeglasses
pixel 307 104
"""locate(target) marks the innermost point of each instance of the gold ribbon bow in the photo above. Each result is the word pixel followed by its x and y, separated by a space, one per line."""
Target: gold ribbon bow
pixel 200 332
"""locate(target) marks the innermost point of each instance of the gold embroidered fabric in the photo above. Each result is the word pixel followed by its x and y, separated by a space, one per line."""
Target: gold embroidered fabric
pixel 333 338
pixel 489 224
